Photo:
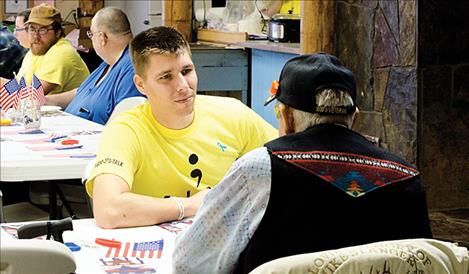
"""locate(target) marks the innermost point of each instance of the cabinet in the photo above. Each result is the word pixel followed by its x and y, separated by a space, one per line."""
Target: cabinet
pixel 221 71
pixel 267 58
pixel 266 67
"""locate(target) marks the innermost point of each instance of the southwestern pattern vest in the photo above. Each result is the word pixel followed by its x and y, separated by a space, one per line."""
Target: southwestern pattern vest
pixel 332 188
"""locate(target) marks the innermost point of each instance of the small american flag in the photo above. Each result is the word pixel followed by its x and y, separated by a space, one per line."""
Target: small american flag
pixel 152 249
pixel 9 94
pixel 24 89
pixel 38 91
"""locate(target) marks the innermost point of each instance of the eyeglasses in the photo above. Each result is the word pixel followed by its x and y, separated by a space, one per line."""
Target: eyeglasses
pixel 90 34
pixel 19 29
pixel 40 31
pixel 277 111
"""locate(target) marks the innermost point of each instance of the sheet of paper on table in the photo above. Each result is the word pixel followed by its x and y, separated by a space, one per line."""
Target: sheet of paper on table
pixel 128 250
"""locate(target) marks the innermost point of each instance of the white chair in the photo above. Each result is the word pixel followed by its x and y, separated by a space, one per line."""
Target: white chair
pixel 35 256
pixel 2 216
pixel 126 104
pixel 84 178
pixel 398 256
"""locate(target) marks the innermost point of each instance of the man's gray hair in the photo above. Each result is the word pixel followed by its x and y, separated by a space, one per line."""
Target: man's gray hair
pixel 326 97
pixel 112 20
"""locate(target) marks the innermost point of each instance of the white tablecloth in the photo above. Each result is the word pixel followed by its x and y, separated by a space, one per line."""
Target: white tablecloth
pixel 27 156
pixel 144 248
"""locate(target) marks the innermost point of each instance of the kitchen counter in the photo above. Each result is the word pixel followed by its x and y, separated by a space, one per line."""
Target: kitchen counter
pixel 293 48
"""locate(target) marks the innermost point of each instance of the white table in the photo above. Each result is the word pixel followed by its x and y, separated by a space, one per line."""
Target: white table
pixel 33 157
pixel 153 245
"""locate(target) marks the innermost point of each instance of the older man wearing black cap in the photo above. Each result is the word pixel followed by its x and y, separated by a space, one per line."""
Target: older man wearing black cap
pixel 319 186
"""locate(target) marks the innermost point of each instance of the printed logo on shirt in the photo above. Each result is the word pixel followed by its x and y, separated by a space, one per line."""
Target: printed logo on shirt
pixel 196 173
pixel 109 161
pixel 221 146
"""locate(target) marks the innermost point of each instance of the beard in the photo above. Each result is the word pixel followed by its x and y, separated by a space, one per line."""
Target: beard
pixel 41 48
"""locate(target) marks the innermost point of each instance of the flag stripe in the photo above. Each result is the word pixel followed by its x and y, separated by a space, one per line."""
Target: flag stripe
pixel 9 94
pixel 126 250
pixel 160 248
pixel 108 254
pixel 38 91
pixel 118 249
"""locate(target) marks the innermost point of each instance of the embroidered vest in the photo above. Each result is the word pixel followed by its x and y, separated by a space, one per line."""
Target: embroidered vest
pixel 332 188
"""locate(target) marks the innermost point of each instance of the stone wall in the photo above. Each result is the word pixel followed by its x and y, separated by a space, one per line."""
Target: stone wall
pixel 443 88
pixel 377 40
pixel 413 85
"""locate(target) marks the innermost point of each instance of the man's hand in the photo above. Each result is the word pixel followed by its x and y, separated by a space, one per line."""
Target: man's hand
pixel 115 206
pixel 192 204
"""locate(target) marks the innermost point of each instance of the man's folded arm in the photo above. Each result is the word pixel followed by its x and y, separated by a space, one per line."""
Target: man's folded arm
pixel 115 206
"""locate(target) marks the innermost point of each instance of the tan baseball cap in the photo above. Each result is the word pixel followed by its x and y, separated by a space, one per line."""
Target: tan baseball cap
pixel 44 15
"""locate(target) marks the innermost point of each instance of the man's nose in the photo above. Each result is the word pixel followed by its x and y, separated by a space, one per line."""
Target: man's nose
pixel 34 33
pixel 181 82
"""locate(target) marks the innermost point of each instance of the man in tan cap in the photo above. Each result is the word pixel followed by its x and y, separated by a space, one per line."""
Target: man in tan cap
pixel 51 58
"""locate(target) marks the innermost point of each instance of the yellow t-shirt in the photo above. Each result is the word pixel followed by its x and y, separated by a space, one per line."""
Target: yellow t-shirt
pixel 157 161
pixel 293 5
pixel 61 65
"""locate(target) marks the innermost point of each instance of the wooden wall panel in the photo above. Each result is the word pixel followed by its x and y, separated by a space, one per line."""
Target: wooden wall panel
pixel 317 26
pixel 178 14
pixel 88 9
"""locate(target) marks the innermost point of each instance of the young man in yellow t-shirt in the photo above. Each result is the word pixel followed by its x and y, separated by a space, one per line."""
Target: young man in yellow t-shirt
pixel 52 58
pixel 176 145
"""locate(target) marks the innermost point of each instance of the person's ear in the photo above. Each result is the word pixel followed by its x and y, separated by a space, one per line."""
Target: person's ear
pixel 354 116
pixel 58 34
pixel 139 84
pixel 102 38
pixel 287 118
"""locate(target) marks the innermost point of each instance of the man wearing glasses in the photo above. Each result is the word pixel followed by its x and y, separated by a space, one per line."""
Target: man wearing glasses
pixel 51 58
pixel 112 81
pixel 20 28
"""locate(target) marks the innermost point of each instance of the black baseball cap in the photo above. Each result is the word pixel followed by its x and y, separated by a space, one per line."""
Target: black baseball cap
pixel 303 76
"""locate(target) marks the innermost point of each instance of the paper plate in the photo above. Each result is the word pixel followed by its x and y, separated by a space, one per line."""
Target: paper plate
pixel 50 108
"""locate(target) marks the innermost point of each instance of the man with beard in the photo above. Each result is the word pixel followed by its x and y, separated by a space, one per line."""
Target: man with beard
pixel 51 58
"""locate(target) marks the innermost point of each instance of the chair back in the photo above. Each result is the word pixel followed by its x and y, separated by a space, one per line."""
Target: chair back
pixel 35 256
pixel 397 256
pixel 2 216
pixel 84 178
pixel 126 104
